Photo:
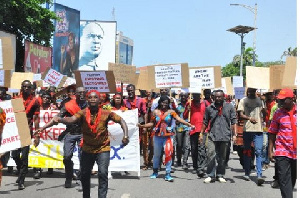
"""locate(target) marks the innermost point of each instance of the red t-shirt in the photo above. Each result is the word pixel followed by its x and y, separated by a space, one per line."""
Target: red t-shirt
pixel 197 115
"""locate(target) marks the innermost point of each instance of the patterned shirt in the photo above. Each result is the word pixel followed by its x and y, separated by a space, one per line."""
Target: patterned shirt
pixel 281 127
pixel 100 141
pixel 181 127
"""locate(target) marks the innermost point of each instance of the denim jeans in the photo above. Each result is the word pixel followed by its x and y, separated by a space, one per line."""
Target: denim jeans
pixel 287 175
pixel 159 143
pixel 87 162
pixel 257 138
pixel 70 142
pixel 265 149
pixel 216 151
pixel 182 146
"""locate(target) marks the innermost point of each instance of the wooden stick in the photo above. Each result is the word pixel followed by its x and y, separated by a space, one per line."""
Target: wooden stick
pixel 190 104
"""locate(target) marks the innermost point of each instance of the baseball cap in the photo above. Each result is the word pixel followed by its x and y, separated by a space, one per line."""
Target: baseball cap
pixel 285 93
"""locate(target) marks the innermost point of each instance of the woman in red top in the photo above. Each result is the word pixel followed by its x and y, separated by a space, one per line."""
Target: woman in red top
pixel 117 102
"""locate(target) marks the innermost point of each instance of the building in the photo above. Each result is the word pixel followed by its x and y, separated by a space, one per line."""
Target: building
pixel 124 49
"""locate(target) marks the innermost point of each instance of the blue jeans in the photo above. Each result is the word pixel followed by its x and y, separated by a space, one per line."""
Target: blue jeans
pixel 159 143
pixel 87 162
pixel 257 138
pixel 70 142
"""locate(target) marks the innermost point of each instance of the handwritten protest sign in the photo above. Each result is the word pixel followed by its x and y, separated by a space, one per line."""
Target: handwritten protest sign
pixel 123 73
pixel 206 75
pixel 168 76
pixel 54 77
pixel 239 92
pixel 102 81
pixel 16 132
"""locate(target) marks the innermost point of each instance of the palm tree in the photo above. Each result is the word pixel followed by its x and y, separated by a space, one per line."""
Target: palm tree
pixel 247 57
pixel 290 52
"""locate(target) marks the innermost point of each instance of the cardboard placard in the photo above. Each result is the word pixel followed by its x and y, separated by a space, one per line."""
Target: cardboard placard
pixel 168 83
pixel 54 78
pixel 289 75
pixel 7 53
pixel 276 76
pixel 143 79
pixel 102 81
pixel 211 75
pixel 123 73
pixel 5 77
pixel 258 77
pixel 18 77
pixel 229 88
pixel 16 132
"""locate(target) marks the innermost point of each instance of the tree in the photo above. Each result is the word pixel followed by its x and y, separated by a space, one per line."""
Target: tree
pixel 28 20
pixel 290 52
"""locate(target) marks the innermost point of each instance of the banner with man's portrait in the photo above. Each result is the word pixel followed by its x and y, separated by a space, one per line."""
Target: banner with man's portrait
pixel 97 45
pixel 66 40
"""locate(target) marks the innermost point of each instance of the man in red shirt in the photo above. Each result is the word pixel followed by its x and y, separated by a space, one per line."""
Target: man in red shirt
pixel 283 134
pixel 198 150
pixel 32 108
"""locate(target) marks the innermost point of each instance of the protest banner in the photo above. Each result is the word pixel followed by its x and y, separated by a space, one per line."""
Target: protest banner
pixel 5 77
pixel 66 40
pixel 228 85
pixel 289 75
pixel 237 81
pixel 102 81
pixel 7 58
pixel 49 154
pixel 18 77
pixel 54 78
pixel 210 76
pixel 37 58
pixel 123 73
pixel 276 76
pixel 16 132
pixel 239 92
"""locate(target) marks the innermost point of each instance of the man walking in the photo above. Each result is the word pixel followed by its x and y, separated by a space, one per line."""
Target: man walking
pixel 222 119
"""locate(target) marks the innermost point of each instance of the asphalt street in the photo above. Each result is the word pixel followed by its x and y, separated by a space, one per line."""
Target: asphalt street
pixel 121 185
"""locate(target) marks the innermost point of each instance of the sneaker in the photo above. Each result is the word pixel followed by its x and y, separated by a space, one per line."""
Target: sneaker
pixel 222 180
pixel 246 177
pixel 185 167
pixel 275 184
pixel 169 178
pixel 260 181
pixel 202 175
pixel 207 180
pixel 68 183
pixel 37 175
pixel 21 186
pixel 154 175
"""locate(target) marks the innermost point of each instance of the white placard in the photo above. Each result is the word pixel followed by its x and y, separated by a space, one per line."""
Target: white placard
pixel 95 80
pixel 206 75
pixel 239 92
pixel 195 86
pixel 10 136
pixel 2 78
pixel 237 81
pixel 53 77
pixel 37 77
pixel 70 81
pixel 168 76
pixel 1 56
pixel 223 82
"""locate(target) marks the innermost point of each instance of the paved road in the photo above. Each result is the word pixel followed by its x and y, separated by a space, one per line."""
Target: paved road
pixel 186 184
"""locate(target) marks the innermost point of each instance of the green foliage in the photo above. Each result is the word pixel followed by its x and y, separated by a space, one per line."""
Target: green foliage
pixel 28 20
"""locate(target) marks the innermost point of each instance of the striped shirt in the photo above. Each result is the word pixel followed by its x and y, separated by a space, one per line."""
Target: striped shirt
pixel 281 126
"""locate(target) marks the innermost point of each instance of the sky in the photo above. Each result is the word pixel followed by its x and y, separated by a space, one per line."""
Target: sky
pixel 194 31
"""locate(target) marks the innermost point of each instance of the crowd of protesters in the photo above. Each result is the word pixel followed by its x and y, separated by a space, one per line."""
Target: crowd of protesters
pixel 261 128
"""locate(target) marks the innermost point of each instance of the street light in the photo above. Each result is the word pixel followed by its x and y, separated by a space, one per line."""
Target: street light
pixel 241 31
pixel 254 11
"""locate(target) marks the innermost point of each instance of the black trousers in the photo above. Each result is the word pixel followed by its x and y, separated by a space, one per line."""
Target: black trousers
pixel 287 175
pixel 198 151
pixel 21 162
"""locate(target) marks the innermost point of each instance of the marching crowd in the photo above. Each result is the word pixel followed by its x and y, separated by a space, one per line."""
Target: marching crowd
pixel 259 127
